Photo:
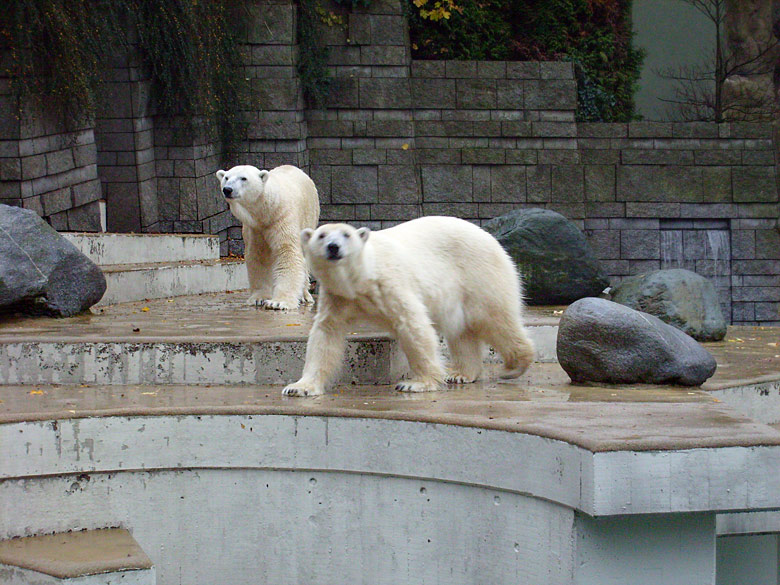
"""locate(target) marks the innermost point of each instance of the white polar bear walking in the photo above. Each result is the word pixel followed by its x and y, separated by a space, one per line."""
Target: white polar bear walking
pixel 426 275
pixel 273 207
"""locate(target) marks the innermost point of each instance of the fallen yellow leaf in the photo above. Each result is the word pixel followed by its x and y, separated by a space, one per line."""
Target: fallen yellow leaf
pixel 36 392
pixel 405 147
pixel 145 309
pixel 293 324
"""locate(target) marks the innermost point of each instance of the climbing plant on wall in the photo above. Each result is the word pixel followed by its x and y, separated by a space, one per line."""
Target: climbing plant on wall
pixel 59 49
pixel 595 34
pixel 313 60
pixel 192 53
pixel 53 52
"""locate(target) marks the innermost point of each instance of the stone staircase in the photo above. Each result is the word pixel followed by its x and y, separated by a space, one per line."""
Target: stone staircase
pixel 155 266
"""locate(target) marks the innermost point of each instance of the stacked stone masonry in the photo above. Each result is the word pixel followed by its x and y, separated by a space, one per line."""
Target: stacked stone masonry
pixel 47 169
pixel 401 138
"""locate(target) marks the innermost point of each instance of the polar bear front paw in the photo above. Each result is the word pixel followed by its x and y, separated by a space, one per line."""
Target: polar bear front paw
pixel 302 389
pixel 414 386
pixel 274 305
pixel 255 299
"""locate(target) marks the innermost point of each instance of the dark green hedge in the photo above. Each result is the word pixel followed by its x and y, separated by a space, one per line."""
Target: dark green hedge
pixel 594 34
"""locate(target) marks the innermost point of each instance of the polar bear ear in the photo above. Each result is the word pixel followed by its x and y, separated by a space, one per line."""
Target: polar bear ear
pixel 263 175
pixel 220 174
pixel 306 236
pixel 363 233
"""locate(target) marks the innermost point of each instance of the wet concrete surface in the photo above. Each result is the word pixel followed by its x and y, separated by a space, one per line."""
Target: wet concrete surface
pixel 207 317
pixel 542 402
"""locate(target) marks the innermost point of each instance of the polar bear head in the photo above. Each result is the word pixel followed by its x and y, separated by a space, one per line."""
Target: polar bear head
pixel 333 242
pixel 243 183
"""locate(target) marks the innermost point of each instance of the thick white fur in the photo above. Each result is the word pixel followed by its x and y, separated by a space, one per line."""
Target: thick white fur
pixel 428 275
pixel 273 207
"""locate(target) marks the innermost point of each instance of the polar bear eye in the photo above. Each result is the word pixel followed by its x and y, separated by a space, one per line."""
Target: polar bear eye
pixel 346 236
pixel 322 235
pixel 243 178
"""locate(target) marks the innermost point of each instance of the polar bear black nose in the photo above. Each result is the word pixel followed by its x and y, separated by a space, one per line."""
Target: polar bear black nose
pixel 228 191
pixel 333 250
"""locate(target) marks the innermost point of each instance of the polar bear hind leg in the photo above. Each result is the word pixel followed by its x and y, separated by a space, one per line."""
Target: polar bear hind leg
pixel 467 353
pixel 509 338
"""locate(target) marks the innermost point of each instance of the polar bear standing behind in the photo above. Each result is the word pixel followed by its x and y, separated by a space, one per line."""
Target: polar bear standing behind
pixel 273 207
pixel 426 275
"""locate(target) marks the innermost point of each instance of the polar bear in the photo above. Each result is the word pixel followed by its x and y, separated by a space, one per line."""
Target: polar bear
pixel 428 275
pixel 273 207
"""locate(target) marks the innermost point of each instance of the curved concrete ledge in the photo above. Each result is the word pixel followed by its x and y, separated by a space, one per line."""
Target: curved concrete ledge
pixel 116 248
pixel 726 473
pixel 539 482
pixel 367 360
pixel 290 499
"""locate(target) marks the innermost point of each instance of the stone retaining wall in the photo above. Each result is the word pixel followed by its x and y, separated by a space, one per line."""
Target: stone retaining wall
pixel 402 138
pixel 47 168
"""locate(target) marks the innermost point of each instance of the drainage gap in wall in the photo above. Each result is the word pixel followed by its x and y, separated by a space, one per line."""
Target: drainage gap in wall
pixel 702 246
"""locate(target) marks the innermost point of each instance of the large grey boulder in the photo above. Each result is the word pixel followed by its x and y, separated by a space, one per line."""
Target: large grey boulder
pixel 678 297
pixel 556 262
pixel 602 341
pixel 40 271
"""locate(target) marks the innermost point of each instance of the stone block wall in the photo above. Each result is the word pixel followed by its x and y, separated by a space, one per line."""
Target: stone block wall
pixel 124 136
pixel 687 195
pixel 402 138
pixel 48 167
pixel 361 147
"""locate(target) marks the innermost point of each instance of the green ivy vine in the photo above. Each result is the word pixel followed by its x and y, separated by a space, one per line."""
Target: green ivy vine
pixel 58 50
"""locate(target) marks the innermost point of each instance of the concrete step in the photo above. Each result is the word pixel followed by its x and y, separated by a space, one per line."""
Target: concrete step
pixel 134 282
pixel 89 557
pixel 155 266
pixel 105 248
pixel 206 339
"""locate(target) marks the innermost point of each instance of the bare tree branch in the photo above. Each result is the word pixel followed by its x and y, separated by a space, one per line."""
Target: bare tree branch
pixel 704 91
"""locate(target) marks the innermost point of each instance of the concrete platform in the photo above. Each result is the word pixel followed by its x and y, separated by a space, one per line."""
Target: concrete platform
pixel 202 339
pixel 161 280
pixel 545 481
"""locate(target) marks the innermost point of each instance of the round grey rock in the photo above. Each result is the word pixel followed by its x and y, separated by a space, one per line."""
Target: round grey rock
pixel 40 271
pixel 557 264
pixel 678 297
pixel 605 342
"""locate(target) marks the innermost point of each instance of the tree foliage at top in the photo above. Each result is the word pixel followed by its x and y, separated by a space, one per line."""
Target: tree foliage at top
pixel 594 34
